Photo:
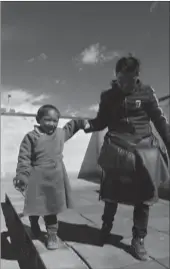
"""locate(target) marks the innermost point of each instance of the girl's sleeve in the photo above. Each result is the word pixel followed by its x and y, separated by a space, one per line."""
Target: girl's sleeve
pixel 158 118
pixel 24 157
pixel 72 127
pixel 100 122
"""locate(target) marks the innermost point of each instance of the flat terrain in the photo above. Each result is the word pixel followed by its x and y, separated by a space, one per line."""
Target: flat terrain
pixel 79 228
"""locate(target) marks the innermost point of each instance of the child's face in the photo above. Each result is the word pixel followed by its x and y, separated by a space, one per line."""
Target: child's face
pixel 49 121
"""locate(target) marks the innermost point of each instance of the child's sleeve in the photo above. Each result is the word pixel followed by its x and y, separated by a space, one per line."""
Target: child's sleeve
pixel 73 127
pixel 24 157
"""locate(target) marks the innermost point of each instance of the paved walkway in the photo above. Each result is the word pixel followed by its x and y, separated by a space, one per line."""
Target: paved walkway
pixel 80 229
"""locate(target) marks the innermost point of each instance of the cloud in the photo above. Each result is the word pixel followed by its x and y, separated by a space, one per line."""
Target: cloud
pixel 83 112
pixel 95 54
pixel 91 55
pixel 22 101
pixel 31 60
pixel 153 5
pixel 41 57
pixel 59 81
pixel 94 107
pixel 71 112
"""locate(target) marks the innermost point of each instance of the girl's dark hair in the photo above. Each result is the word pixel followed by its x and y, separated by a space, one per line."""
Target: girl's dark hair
pixel 128 64
pixel 42 111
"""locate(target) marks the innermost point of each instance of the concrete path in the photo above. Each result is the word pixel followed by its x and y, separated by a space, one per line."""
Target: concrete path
pixel 115 254
pixel 79 228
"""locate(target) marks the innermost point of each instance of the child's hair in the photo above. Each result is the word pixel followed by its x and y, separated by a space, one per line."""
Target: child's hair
pixel 43 111
pixel 128 64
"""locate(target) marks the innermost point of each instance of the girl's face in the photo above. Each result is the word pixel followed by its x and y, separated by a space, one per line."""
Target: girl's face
pixel 49 121
pixel 126 81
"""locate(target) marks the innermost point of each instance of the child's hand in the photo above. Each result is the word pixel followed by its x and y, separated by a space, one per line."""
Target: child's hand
pixel 20 182
pixel 86 125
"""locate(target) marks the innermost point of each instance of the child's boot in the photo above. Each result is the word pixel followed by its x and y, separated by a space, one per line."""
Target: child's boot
pixel 138 248
pixel 52 241
pixel 139 231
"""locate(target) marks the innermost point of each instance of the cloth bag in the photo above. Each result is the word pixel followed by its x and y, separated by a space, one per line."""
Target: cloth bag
pixel 118 154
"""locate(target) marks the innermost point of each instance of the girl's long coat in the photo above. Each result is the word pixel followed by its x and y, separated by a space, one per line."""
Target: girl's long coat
pixel 129 116
pixel 41 162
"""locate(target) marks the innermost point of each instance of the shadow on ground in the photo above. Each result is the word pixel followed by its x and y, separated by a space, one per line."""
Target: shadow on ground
pixel 68 232
pixel 7 249
pixel 42 237
pixel 85 234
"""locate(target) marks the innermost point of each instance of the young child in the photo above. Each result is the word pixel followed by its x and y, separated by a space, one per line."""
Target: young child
pixel 41 171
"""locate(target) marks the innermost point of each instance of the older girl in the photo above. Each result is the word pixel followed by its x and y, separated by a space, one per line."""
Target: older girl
pixel 131 157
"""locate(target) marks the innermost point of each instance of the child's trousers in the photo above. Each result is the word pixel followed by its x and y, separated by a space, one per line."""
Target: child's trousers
pixel 50 222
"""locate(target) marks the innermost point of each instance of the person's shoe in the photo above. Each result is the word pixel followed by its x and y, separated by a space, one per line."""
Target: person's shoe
pixel 52 243
pixel 104 233
pixel 139 250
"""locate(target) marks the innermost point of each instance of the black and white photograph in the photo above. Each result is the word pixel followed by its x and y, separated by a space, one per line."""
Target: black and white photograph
pixel 85 134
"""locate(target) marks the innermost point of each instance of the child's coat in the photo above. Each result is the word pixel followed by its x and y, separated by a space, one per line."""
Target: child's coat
pixel 41 161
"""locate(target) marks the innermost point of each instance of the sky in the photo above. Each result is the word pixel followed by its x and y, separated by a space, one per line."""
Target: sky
pixel 64 53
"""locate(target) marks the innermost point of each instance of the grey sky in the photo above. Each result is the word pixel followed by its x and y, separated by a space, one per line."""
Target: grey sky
pixel 68 50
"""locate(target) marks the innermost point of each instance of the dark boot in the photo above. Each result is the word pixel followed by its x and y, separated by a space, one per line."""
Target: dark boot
pixel 138 249
pixel 139 231
pixel 104 233
pixel 35 228
pixel 52 241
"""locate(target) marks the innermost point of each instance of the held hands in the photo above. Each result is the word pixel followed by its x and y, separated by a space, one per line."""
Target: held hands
pixel 86 125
